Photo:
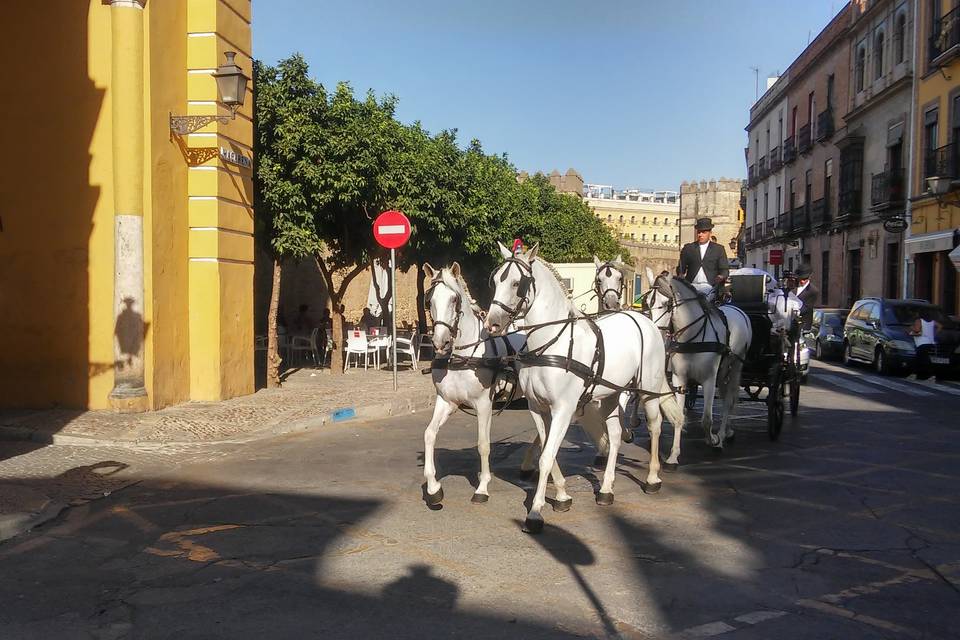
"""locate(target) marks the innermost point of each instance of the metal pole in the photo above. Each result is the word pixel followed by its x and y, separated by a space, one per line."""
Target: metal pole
pixel 393 311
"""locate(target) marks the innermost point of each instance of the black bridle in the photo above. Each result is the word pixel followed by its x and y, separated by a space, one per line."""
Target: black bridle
pixel 428 296
pixel 524 285
pixel 601 293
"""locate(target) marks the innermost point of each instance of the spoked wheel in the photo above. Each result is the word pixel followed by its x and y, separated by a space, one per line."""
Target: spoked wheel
pixel 794 373
pixel 775 403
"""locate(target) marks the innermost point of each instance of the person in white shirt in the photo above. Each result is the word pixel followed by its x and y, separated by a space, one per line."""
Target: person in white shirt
pixel 924 331
pixel 703 263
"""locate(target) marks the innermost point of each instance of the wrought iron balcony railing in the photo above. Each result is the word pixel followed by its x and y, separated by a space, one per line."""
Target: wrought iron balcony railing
pixel 820 212
pixel 800 220
pixel 945 36
pixel 775 160
pixel 887 188
pixel 768 227
pixel 941 162
pixel 752 175
pixel 762 168
pixel 850 204
pixel 825 125
pixel 789 150
pixel 803 138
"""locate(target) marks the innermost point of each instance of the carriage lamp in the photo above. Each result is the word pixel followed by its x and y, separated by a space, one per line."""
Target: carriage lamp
pixel 232 87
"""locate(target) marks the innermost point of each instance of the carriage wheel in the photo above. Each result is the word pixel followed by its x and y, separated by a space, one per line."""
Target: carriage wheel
pixel 794 373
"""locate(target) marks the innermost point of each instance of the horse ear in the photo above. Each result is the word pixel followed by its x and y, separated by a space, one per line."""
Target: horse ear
pixel 455 269
pixel 650 277
pixel 506 253
pixel 532 254
pixel 596 261
pixel 430 271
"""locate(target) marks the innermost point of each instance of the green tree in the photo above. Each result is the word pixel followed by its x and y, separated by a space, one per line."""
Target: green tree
pixel 288 107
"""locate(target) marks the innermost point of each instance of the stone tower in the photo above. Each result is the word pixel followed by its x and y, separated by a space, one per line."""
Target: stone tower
pixel 718 200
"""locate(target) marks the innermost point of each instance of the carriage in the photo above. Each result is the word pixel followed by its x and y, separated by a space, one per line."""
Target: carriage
pixel 775 363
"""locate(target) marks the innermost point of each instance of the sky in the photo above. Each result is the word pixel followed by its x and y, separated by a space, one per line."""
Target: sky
pixel 630 93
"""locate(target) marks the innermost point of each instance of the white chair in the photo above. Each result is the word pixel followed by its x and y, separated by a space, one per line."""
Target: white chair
pixel 358 345
pixel 306 347
pixel 407 348
pixel 424 341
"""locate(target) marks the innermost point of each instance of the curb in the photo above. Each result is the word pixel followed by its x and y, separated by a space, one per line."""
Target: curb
pixel 417 402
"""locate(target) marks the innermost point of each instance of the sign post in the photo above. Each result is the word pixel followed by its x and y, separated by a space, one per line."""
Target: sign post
pixel 391 230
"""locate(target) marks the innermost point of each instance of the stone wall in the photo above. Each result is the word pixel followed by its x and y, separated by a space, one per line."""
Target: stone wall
pixel 718 200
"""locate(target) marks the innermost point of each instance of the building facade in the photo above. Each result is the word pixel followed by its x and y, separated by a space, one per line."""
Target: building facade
pixel 935 217
pixel 127 248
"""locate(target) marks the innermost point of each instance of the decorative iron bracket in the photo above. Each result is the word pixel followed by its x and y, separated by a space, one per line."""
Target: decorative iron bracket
pixel 184 125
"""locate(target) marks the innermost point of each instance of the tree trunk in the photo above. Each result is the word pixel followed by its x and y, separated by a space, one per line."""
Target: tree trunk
pixel 336 308
pixel 421 307
pixel 273 352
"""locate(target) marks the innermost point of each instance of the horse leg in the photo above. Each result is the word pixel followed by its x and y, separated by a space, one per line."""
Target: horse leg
pixel 731 388
pixel 526 465
pixel 562 501
pixel 654 422
pixel 615 415
pixel 592 423
pixel 670 406
pixel 484 418
pixel 559 423
pixel 709 392
pixel 441 411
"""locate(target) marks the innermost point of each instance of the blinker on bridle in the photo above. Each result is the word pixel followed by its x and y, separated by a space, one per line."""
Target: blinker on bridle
pixel 523 287
pixel 455 327
pixel 596 281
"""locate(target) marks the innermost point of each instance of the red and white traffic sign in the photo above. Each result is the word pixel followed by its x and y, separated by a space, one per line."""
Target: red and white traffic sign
pixel 776 256
pixel 391 229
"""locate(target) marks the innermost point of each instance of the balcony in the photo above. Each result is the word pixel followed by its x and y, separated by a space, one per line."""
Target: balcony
pixel 789 150
pixel 803 138
pixel 820 213
pixel 751 175
pixel 758 231
pixel 849 208
pixel 748 236
pixel 762 168
pixel 774 160
pixel 887 189
pixel 768 228
pixel 945 39
pixel 941 162
pixel 783 224
pixel 825 125
pixel 800 220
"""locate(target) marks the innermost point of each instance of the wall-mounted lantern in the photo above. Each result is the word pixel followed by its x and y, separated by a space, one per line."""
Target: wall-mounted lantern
pixel 232 87
pixel 940 187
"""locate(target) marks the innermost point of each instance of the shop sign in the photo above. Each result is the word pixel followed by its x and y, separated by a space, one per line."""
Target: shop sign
pixel 231 156
pixel 895 224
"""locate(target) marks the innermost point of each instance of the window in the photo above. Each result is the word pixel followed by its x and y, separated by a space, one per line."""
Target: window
pixel 643 237
pixel 830 91
pixel 893 269
pixel 808 190
pixel 878 55
pixel 793 194
pixel 621 219
pixel 609 218
pixel 654 237
pixel 676 238
pixel 860 67
pixel 655 221
pixel 827 185
pixel 632 235
pixel 779 201
pixel 825 277
pixel 851 179
pixel 644 219
pixel 899 37
pixel 766 205
pixel 633 219
pixel 756 211
pixel 853 259
pixel 811 105
pixel 930 135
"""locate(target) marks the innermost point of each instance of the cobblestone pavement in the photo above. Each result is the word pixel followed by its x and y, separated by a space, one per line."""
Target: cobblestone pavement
pixel 306 394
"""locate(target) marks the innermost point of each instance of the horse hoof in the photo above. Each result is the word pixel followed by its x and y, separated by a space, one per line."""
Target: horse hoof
pixel 433 499
pixel 669 466
pixel 627 436
pixel 600 461
pixel 604 499
pixel 562 506
pixel 532 526
pixel 652 488
pixel 526 474
pixel 479 498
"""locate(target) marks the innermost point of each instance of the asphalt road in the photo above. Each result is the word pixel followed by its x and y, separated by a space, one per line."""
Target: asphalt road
pixel 848 527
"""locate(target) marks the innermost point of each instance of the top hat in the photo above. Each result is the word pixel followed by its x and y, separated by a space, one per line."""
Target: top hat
pixel 704 224
pixel 804 272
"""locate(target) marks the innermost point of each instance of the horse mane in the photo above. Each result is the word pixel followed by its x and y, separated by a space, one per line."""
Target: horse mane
pixel 556 274
pixel 464 290
pixel 689 287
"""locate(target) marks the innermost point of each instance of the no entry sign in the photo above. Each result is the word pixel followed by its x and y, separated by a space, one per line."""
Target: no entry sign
pixel 776 256
pixel 391 229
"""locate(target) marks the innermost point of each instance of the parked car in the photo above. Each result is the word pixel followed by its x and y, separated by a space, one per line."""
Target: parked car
pixel 825 336
pixel 876 333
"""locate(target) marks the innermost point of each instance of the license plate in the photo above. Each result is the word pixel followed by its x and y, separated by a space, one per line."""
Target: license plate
pixel 939 360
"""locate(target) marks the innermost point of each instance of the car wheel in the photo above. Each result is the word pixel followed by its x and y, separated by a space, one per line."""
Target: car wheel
pixel 880 364
pixel 818 350
pixel 847 355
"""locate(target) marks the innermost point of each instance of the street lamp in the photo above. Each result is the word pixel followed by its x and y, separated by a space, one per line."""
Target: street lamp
pixel 232 87
pixel 940 187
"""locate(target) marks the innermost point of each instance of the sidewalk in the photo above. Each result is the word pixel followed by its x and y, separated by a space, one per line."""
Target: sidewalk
pixel 98 452
pixel 308 399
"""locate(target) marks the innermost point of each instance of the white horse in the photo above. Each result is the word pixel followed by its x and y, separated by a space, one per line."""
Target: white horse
pixel 608 283
pixel 561 368
pixel 465 381
pixel 709 344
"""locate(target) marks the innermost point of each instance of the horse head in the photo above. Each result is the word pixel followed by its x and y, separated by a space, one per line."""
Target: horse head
pixel 783 308
pixel 444 301
pixel 514 289
pixel 659 301
pixel 608 283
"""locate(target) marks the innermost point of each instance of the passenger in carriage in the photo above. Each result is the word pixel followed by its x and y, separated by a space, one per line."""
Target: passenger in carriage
pixel 703 263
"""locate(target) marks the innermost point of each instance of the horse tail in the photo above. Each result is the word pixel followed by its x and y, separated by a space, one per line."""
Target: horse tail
pixel 669 406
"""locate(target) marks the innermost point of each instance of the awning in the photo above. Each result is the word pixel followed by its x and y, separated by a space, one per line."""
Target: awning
pixel 928 242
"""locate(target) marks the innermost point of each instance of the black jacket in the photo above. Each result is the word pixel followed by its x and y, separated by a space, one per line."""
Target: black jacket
pixel 809 297
pixel 714 262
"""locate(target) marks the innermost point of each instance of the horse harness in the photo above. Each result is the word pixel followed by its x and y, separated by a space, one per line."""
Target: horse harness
pixel 608 265
pixel 697 343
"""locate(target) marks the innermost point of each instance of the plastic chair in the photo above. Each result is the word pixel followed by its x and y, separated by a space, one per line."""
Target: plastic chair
pixel 424 341
pixel 358 345
pixel 302 345
pixel 407 347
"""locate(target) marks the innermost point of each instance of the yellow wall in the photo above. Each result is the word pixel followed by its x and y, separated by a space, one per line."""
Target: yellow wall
pixel 57 210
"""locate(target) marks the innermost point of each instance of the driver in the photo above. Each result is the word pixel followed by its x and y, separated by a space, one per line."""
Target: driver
pixel 703 263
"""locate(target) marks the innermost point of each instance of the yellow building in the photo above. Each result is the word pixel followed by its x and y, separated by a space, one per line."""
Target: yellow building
pixel 936 216
pixel 126 250
pixel 645 218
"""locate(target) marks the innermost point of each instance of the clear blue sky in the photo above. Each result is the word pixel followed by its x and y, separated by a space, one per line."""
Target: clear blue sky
pixel 631 93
